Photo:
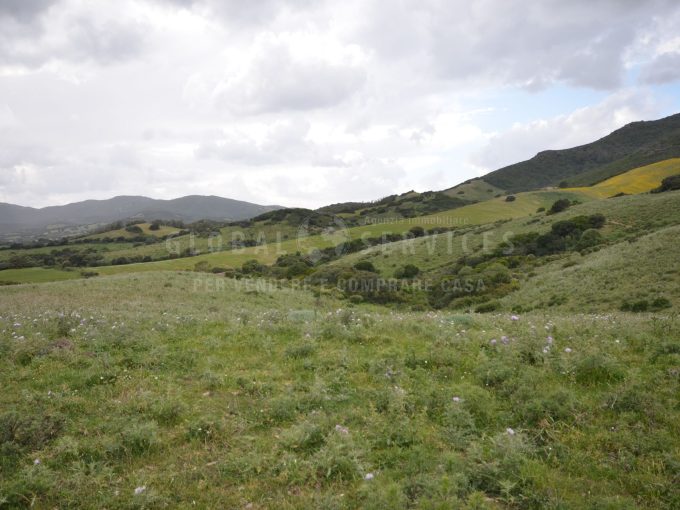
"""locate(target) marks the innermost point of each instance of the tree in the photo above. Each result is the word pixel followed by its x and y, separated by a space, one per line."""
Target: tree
pixel 559 206
pixel 668 184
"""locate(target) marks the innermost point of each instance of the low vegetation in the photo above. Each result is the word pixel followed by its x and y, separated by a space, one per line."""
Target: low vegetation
pixel 269 397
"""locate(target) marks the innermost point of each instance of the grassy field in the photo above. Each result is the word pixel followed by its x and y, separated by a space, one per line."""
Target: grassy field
pixel 628 218
pixel 108 250
pixel 283 239
pixel 639 180
pixel 162 231
pixel 36 275
pixel 178 390
pixel 475 190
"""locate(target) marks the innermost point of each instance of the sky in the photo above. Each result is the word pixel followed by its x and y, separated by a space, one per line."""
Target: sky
pixel 306 103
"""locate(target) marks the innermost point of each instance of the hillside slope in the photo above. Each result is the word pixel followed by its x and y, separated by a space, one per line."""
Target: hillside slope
pixel 634 145
pixel 638 180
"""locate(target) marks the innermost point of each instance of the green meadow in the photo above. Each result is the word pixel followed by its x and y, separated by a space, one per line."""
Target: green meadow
pixel 178 390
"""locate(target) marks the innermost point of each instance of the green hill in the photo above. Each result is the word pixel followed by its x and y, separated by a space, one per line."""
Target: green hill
pixel 634 145
pixel 638 180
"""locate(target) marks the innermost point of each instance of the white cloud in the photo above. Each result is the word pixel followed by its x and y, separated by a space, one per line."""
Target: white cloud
pixel 304 103
pixel 524 140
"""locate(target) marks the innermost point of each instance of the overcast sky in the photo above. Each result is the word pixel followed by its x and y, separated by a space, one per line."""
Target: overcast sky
pixel 308 102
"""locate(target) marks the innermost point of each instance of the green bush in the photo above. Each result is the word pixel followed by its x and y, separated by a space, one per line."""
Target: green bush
pixel 365 265
pixel 134 229
pixel 668 184
pixel 407 271
pixel 559 205
pixel 253 267
pixel 490 306
pixel 589 238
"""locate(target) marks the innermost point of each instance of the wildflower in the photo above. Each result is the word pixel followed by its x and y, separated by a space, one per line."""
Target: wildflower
pixel 545 350
pixel 36 462
pixel 368 476
pixel 511 432
pixel 493 341
pixel 342 430
pixel 140 490
pixel 567 350
pixel 505 340
pixel 550 339
pixel 456 399
pixel 514 318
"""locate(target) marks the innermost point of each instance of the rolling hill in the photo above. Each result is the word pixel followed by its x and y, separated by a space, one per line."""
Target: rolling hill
pixel 634 145
pixel 638 180
pixel 29 220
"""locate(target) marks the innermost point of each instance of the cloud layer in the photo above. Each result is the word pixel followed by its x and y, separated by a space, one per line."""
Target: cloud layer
pixel 307 103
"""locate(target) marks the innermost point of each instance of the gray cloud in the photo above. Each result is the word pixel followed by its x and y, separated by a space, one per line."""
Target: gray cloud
pixel 515 42
pixel 664 69
pixel 24 11
pixel 41 32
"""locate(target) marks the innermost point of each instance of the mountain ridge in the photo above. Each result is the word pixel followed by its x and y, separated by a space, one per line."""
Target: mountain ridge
pixel 636 144
pixel 31 220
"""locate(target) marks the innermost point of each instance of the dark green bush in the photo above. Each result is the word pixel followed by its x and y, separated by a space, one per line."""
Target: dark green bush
pixel 668 184
pixel 365 265
pixel 408 271
pixel 559 205
pixel 134 229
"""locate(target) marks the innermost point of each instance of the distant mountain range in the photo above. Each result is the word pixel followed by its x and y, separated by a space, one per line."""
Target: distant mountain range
pixel 16 220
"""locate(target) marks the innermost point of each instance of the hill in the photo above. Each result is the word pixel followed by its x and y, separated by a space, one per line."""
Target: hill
pixel 56 220
pixel 634 145
pixel 638 180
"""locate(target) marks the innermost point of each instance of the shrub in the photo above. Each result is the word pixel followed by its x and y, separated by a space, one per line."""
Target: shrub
pixel 559 205
pixel 202 266
pixel 660 303
pixel 589 238
pixel 408 271
pixel 510 198
pixel 638 306
pixel 417 231
pixel 297 269
pixel 365 265
pixel 668 184
pixel 134 229
pixel 253 267
pixel 491 306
